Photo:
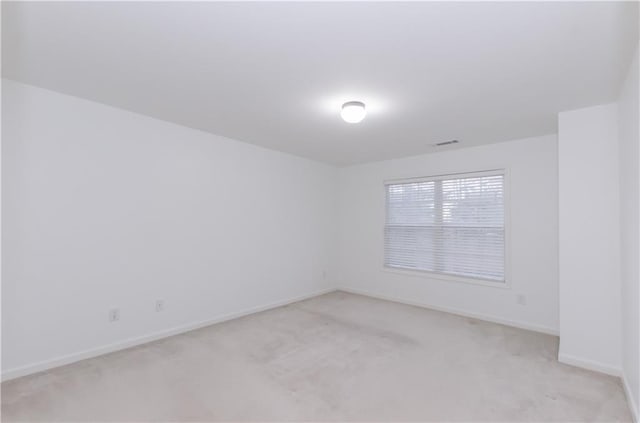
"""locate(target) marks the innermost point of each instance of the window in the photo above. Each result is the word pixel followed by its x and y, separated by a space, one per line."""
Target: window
pixel 451 225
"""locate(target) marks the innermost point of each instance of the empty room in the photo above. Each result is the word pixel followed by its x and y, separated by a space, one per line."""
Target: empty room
pixel 320 211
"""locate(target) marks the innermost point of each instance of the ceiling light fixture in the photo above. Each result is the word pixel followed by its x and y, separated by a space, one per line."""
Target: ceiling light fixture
pixel 353 111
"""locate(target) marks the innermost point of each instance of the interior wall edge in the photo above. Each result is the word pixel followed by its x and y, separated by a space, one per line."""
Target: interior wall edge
pixel 12 80
pixel 633 406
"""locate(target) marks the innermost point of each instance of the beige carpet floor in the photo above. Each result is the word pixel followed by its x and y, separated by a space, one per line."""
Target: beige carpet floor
pixel 338 357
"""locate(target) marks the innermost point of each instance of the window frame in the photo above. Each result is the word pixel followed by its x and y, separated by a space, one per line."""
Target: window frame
pixel 431 274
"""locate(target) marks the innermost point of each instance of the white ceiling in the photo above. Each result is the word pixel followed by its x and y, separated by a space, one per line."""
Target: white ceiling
pixel 275 74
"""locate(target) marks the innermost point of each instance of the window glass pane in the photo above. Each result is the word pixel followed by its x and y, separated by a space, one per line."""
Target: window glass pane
pixel 473 201
pixel 410 247
pixel 473 252
pixel 410 204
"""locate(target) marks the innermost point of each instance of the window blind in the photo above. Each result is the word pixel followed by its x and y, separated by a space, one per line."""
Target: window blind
pixel 451 225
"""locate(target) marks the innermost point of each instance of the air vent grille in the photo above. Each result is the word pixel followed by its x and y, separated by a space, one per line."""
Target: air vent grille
pixel 440 144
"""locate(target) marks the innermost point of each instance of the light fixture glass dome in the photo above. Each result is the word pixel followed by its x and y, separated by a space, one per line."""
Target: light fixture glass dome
pixel 353 111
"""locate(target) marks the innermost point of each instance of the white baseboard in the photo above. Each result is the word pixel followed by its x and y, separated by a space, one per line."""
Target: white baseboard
pixel 131 342
pixel 633 405
pixel 479 316
pixel 589 364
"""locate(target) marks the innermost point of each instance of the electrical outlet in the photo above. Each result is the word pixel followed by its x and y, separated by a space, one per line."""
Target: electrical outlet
pixel 159 305
pixel 324 274
pixel 114 315
pixel 522 299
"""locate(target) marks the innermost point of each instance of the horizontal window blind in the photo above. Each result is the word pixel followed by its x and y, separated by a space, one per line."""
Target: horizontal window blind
pixel 451 225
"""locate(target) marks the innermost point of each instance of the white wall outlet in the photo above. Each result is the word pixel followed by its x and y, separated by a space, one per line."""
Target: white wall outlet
pixel 114 314
pixel 522 299
pixel 324 274
pixel 159 305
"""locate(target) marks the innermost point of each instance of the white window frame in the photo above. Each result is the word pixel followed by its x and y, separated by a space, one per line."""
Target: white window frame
pixel 430 274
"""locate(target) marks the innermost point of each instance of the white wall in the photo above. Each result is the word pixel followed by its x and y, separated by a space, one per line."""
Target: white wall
pixel 532 165
pixel 629 132
pixel 589 238
pixel 105 208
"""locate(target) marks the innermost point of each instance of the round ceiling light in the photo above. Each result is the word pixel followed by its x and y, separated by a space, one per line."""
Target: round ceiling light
pixel 353 111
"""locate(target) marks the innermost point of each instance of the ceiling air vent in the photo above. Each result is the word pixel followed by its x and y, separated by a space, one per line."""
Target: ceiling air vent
pixel 440 144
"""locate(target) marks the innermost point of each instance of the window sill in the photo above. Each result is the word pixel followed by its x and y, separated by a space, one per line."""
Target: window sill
pixel 448 278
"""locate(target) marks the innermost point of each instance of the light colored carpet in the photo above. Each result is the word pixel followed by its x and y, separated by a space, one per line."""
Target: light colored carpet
pixel 335 357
